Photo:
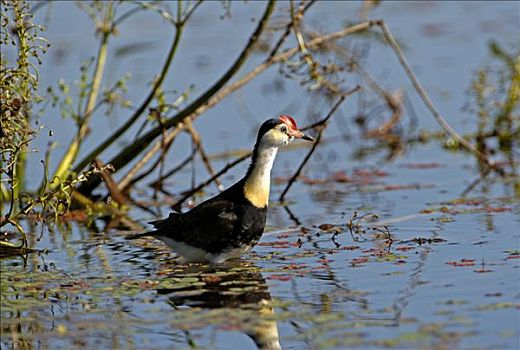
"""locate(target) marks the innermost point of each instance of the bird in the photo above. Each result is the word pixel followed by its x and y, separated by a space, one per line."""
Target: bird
pixel 231 223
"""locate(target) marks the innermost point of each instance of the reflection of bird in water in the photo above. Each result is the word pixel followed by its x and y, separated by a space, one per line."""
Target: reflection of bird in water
pixel 230 224
pixel 240 292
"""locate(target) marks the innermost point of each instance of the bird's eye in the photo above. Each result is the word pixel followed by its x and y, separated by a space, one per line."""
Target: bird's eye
pixel 283 128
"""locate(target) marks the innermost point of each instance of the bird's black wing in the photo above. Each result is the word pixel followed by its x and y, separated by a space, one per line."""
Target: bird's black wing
pixel 209 226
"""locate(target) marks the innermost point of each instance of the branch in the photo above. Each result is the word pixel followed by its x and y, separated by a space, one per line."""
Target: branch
pixel 158 183
pixel 199 148
pixel 211 179
pixel 248 154
pixel 131 151
pixel 426 99
pixel 163 143
pixel 115 135
pixel 73 149
pixel 321 123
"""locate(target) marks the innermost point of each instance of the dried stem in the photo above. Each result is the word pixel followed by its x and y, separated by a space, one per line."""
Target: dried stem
pixel 304 6
pixel 73 149
pixel 198 147
pixel 322 125
pixel 164 143
pixel 211 179
pixel 426 99
pixel 158 183
pixel 157 84
pixel 115 193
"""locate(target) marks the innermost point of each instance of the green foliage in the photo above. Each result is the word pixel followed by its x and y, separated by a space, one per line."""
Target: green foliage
pixel 18 92
pixel 76 102
pixel 19 95
pixel 495 100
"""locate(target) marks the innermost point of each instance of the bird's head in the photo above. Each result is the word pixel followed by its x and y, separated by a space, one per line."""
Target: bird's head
pixel 280 131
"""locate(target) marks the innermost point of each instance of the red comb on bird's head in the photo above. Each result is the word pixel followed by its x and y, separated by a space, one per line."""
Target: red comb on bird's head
pixel 288 120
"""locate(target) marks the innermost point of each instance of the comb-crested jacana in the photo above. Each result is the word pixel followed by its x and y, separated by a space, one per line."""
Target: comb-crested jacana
pixel 231 223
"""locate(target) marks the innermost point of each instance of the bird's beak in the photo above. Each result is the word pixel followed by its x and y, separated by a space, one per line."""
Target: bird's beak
pixel 297 134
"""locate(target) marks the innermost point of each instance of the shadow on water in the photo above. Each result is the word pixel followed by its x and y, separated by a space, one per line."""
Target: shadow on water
pixel 112 294
pixel 238 292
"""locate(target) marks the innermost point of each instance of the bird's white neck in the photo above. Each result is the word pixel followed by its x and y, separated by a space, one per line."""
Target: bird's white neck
pixel 258 178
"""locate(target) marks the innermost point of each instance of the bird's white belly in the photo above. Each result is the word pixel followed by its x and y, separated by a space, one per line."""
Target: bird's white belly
pixel 190 253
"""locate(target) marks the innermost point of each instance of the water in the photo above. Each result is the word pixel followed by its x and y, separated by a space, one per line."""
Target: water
pixel 445 275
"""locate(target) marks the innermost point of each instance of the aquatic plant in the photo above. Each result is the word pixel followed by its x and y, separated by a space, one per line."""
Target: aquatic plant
pixel 319 63
pixel 19 97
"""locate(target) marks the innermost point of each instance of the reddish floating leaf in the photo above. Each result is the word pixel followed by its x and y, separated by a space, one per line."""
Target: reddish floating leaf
pixel 294 267
pixel 350 247
pixel 462 262
pixel 340 176
pixel 399 187
pixel 405 248
pixel 496 209
pixel 370 173
pixel 309 181
pixel 325 227
pixel 279 277
pixel 482 270
pixel 359 260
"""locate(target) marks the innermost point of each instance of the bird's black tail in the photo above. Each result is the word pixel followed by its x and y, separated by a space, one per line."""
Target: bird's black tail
pixel 158 224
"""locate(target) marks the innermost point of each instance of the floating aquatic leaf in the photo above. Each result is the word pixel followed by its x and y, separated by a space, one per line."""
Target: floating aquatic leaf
pixel 462 262
pixel 498 306
pixel 280 277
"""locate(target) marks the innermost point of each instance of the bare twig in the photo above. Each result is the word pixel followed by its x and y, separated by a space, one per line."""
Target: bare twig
pixel 313 65
pixel 304 6
pixel 163 143
pixel 322 126
pixel 157 84
pixel 73 149
pixel 198 146
pixel 116 195
pixel 293 217
pixel 158 183
pixel 211 179
pixel 426 99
